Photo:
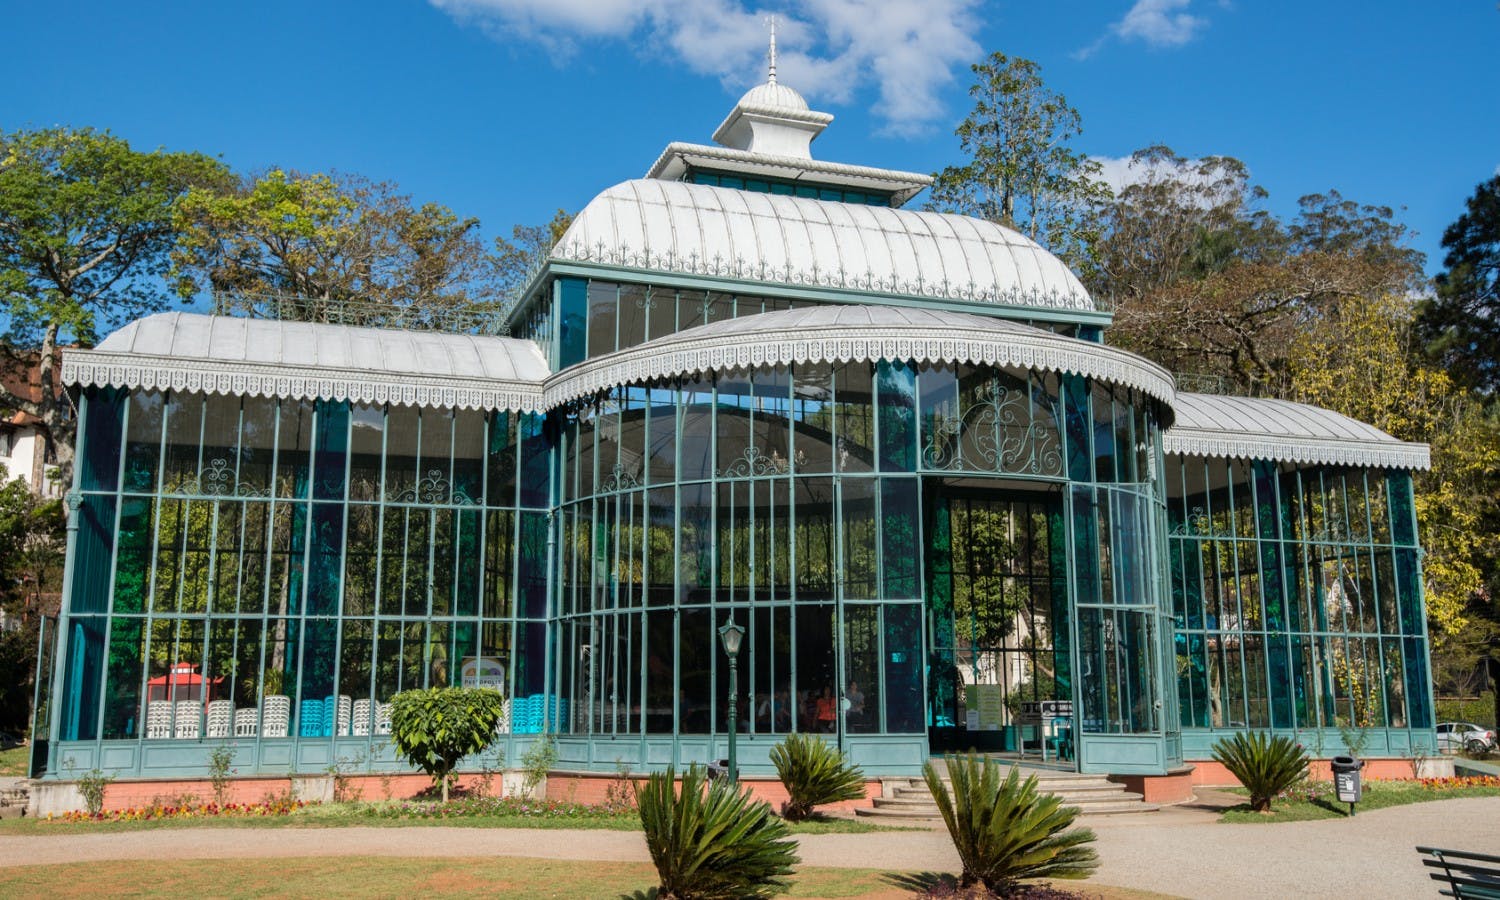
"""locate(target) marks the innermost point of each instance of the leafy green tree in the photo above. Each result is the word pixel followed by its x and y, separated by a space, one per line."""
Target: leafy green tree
pixel 1021 170
pixel 436 727
pixel 1462 323
pixel 518 256
pixel 32 534
pixel 326 248
pixel 1205 281
pixel 86 228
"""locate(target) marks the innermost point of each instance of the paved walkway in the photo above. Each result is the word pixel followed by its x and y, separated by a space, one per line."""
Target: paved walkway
pixel 1177 851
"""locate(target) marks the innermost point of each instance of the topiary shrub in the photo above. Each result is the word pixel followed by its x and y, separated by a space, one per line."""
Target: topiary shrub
pixel 1004 830
pixel 814 772
pixel 436 727
pixel 713 842
pixel 1265 765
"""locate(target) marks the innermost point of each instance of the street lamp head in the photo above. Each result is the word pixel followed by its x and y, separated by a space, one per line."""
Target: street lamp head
pixel 731 635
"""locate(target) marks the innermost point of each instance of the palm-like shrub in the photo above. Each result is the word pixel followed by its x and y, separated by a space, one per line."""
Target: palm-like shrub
pixel 814 772
pixel 437 727
pixel 1004 830
pixel 1265 765
pixel 713 843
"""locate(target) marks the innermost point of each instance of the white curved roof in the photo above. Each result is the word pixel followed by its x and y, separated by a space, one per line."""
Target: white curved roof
pixel 773 94
pixel 268 357
pixel 845 333
pixel 1256 428
pixel 698 229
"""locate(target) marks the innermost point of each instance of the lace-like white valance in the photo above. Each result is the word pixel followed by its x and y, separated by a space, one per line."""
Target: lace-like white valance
pixel 853 334
pixel 93 368
pixel 1331 451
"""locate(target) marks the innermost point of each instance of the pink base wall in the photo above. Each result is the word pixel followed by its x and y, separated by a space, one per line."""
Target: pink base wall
pixel 589 788
pixel 1209 773
pixel 128 794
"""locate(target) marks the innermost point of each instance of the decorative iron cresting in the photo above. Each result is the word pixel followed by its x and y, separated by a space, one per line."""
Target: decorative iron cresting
pixel 740 268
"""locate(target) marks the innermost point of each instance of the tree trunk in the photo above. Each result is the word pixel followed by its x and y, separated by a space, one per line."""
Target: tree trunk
pixel 59 430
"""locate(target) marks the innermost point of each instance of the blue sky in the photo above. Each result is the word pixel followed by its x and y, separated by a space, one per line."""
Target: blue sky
pixel 509 109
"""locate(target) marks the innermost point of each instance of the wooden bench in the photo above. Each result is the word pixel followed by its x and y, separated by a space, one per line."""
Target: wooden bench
pixel 1469 876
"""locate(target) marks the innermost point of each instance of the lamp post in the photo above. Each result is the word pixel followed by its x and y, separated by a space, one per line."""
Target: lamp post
pixel 731 635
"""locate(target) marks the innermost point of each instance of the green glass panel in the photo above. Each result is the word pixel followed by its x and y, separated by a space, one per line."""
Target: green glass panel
pixel 123 681
pixel 80 720
pixel 898 535
pixel 100 444
pixel 903 669
pixel 133 567
pixel 332 449
pixel 93 550
pixel 942 672
pixel 896 387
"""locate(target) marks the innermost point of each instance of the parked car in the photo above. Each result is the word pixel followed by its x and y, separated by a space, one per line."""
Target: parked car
pixel 1455 736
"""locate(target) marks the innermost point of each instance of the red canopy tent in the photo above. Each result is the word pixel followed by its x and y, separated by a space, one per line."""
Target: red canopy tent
pixel 182 683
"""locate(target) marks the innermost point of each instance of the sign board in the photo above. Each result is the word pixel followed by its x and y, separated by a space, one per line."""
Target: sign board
pixel 1034 712
pixel 482 672
pixel 986 700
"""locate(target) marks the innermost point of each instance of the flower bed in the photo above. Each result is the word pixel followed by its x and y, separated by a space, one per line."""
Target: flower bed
pixel 1459 783
pixel 159 811
pixel 494 807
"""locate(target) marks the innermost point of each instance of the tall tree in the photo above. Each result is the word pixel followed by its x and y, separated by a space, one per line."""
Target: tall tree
pixel 86 228
pixel 1021 170
pixel 1462 323
pixel 1206 282
pixel 333 248
pixel 517 257
pixel 1364 361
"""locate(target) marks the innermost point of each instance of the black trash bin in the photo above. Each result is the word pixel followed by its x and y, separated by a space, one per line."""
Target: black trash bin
pixel 1346 783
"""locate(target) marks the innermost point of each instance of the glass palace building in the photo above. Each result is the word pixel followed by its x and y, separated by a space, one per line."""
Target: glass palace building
pixel 895 446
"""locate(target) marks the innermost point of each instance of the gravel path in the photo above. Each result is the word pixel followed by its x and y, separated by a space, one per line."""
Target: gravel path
pixel 1176 851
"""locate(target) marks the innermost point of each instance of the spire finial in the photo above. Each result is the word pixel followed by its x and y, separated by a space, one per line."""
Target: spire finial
pixel 771 79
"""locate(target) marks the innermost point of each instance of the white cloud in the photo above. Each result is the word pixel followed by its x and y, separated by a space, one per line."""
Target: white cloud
pixel 1157 23
pixel 827 49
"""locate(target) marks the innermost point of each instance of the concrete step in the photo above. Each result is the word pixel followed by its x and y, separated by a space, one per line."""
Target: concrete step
pixel 1093 795
pixel 1070 797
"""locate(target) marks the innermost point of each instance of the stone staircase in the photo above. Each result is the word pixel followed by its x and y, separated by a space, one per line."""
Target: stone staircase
pixel 908 802
pixel 14 795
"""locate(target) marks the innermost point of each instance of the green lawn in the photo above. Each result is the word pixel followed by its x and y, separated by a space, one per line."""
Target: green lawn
pixel 356 876
pixel 13 762
pixel 1377 795
pixel 337 815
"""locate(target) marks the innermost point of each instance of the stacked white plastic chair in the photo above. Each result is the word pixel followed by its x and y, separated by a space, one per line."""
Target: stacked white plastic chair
pixel 159 720
pixel 246 722
pixel 363 716
pixel 187 725
pixel 276 714
pixel 344 714
pixel 220 718
pixel 382 718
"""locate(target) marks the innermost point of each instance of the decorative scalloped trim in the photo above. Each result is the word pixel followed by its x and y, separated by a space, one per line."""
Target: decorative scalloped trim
pixel 92 368
pixel 1043 351
pixel 1300 450
pixel 747 270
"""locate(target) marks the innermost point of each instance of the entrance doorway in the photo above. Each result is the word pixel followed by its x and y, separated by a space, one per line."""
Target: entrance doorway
pixel 998 628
